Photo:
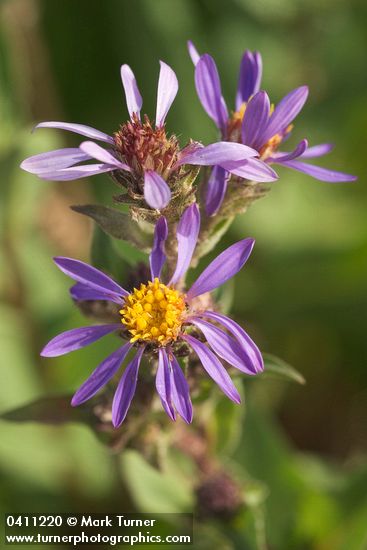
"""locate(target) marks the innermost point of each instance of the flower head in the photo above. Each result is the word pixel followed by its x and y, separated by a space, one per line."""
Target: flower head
pixel 255 123
pixel 159 318
pixel 140 155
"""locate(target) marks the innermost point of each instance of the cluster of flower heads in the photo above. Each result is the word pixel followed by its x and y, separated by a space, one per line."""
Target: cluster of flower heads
pixel 140 154
pixel 149 162
pixel 157 318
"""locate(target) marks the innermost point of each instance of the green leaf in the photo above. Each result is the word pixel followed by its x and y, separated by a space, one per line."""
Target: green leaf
pixel 46 410
pixel 57 409
pixel 154 491
pixel 228 421
pixel 278 368
pixel 117 224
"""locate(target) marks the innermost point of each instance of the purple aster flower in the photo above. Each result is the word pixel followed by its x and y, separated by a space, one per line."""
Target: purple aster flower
pixel 255 123
pixel 160 318
pixel 140 155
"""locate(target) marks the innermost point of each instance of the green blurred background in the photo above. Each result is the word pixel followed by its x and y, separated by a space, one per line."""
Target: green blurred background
pixel 303 295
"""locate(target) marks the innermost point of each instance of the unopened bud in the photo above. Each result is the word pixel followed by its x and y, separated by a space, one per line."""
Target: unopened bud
pixel 219 496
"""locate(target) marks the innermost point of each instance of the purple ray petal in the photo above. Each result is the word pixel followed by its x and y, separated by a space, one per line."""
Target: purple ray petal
pixel 89 276
pixel 225 346
pixel 255 120
pixel 216 188
pixel 180 390
pixel 80 292
pixel 209 90
pixel 318 150
pixel 157 194
pixel 249 77
pixel 194 54
pixel 217 153
pixel 252 169
pixel 323 174
pixel 76 338
pixel 285 112
pixel 245 342
pixel 101 375
pixel 134 100
pixel 167 91
pixel 297 152
pixel 163 383
pixel 77 172
pixel 214 368
pixel 224 267
pixel 54 160
pixel 97 152
pixel 157 256
pixel 81 129
pixel 126 390
pixel 187 235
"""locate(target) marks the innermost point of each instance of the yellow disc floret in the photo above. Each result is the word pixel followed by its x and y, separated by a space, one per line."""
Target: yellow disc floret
pixel 273 143
pixel 234 124
pixel 153 313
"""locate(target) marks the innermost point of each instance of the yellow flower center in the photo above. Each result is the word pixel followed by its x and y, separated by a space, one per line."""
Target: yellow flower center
pixel 234 124
pixel 153 313
pixel 270 146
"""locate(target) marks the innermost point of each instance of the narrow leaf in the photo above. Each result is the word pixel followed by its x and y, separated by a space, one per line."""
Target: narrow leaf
pixel 117 224
pixel 279 368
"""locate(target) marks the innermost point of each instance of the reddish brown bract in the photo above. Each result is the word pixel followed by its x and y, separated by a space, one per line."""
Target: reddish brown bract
pixel 144 147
